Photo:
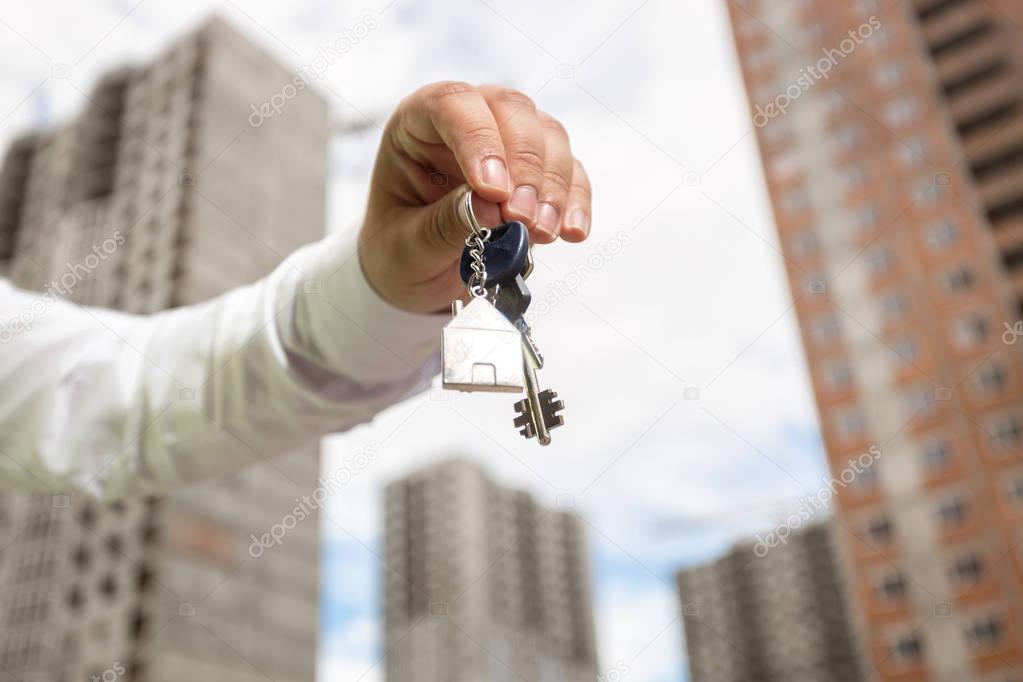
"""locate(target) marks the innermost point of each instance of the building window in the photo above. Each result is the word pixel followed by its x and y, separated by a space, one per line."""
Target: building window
pixel 784 165
pixel 920 400
pixel 912 152
pixel 893 306
pixel 757 59
pixel 889 74
pixel 985 631
pixel 971 331
pixel 878 529
pixel 835 100
pixel 966 570
pixel 1014 490
pixel 991 378
pixel 936 455
pixel 906 648
pixel 907 351
pixel 879 261
pixel 958 279
pixel 824 328
pixel 795 200
pixel 1005 433
pixel 940 234
pixel 926 191
pixel 878 40
pixel 854 176
pixel 901 111
pixel 805 243
pixel 849 424
pixel 866 218
pixel 891 586
pixel 865 481
pixel 952 510
pixel 777 131
pixel 848 136
pixel 837 375
pixel 812 35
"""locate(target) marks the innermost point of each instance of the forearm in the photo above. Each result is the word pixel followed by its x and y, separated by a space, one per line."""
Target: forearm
pixel 115 404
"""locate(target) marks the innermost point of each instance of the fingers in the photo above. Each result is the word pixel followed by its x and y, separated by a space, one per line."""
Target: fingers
pixel 575 226
pixel 557 179
pixel 445 225
pixel 456 115
pixel 515 158
pixel 524 145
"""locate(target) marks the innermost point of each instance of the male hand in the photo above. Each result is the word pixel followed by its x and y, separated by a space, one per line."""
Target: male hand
pixel 517 160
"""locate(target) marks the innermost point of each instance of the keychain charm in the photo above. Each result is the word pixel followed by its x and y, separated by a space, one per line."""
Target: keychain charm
pixel 488 345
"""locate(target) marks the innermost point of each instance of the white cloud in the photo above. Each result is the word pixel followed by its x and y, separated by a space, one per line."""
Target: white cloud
pixel 641 628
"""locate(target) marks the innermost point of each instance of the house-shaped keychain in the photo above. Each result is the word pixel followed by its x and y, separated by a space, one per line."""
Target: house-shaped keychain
pixel 481 350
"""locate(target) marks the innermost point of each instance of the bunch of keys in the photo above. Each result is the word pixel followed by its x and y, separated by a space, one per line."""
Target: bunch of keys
pixel 488 345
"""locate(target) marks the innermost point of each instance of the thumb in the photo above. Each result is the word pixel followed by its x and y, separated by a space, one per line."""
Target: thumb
pixel 445 225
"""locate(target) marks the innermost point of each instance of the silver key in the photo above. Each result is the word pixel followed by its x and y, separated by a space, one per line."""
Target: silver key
pixel 538 411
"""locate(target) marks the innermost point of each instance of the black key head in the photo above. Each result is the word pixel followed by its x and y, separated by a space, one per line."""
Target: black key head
pixel 505 256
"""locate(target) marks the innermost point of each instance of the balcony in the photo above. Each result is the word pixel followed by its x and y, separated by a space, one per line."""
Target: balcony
pixel 1000 188
pixel 982 98
pixel 930 10
pixel 943 32
pixel 971 34
pixel 969 58
pixel 994 149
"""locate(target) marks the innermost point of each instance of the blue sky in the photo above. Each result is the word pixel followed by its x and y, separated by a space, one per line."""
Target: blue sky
pixel 689 417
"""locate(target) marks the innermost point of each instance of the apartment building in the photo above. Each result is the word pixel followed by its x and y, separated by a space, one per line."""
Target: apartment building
pixel 482 583
pixel 891 135
pixel 163 193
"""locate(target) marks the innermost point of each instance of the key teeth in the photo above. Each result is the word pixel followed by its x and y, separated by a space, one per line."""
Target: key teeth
pixel 550 407
pixel 524 421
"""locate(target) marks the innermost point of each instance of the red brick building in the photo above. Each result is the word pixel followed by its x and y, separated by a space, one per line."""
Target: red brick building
pixel 891 135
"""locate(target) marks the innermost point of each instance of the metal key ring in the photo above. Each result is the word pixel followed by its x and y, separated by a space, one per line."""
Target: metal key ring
pixel 470 216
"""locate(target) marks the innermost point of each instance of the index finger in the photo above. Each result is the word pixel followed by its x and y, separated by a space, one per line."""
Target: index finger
pixel 457 115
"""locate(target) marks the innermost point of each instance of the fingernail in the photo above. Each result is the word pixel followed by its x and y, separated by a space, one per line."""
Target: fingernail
pixel 547 219
pixel 578 219
pixel 495 173
pixel 523 202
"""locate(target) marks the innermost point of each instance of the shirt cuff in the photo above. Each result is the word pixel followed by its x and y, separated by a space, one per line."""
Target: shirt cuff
pixel 342 325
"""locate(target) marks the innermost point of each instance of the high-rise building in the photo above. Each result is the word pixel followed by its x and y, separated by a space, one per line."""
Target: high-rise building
pixel 482 584
pixel 777 615
pixel 891 135
pixel 165 191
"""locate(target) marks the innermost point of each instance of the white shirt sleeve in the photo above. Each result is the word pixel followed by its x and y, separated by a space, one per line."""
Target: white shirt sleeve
pixel 115 404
